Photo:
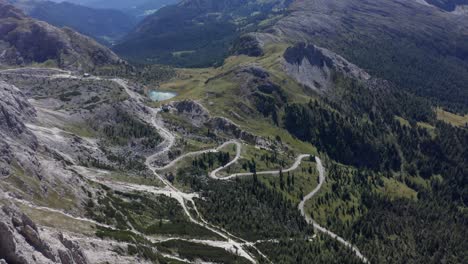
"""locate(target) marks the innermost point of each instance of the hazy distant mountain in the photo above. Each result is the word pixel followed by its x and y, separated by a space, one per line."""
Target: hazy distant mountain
pixel 448 5
pixel 148 7
pixel 104 25
pixel 201 32
pixel 194 33
pixel 24 41
pixel 137 8
pixel 127 4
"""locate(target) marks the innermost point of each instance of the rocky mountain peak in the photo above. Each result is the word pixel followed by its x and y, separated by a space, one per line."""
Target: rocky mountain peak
pixel 313 66
pixel 300 52
pixel 8 11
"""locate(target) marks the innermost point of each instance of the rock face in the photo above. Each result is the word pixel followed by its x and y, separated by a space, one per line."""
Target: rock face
pixel 14 111
pixel 191 110
pixel 314 67
pixel 22 156
pixel 104 25
pixel 225 126
pixel 257 88
pixel 24 41
pixel 21 242
pixel 72 254
pixel 248 45
pixel 199 116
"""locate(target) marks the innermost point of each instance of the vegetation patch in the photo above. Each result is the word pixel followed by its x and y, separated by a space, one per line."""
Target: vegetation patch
pixel 451 118
pixel 250 210
pixel 148 214
pixel 321 249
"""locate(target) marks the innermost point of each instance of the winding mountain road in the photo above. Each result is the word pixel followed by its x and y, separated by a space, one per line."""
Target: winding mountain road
pixel 231 244
pixel 174 192
pixel 309 220
pixel 301 206
pixel 171 138
pixel 200 152
pixel 296 164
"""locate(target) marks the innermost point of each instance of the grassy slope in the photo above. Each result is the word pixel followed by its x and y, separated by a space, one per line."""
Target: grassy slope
pixel 215 89
pixel 453 119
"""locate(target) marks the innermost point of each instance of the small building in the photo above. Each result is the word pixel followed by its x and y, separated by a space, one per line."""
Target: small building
pixel 86 75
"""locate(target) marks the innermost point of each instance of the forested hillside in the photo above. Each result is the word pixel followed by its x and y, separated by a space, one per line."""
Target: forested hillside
pixel 195 33
pixel 404 43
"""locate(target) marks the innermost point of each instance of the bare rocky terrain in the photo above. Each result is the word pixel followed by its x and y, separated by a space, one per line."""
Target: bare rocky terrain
pixel 44 132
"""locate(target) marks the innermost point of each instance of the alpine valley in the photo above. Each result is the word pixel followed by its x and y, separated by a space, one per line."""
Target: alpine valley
pixel 234 131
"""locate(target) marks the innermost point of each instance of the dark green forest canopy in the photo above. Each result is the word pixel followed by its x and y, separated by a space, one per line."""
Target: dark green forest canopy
pixel 195 33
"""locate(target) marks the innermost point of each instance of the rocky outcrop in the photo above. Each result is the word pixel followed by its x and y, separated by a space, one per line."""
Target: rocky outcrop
pixel 225 126
pixel 257 88
pixel 15 110
pixel 247 45
pixel 314 67
pixel 24 41
pixel 191 110
pixel 199 116
pixel 21 242
pixel 29 231
pixel 253 79
pixel 253 43
pixel 72 254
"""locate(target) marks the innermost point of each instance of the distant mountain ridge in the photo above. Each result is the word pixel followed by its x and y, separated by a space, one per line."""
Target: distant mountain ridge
pixel 426 57
pixel 104 25
pixel 400 41
pixel 196 33
pixel 25 41
pixel 135 8
pixel 447 5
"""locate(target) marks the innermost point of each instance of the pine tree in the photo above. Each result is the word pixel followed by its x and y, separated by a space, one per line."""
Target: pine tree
pixel 281 179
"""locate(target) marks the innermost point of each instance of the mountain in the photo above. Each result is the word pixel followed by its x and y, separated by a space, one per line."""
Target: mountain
pixel 146 8
pixel 127 4
pixel 448 5
pixel 25 41
pixel 327 132
pixel 425 58
pixel 136 8
pixel 104 25
pixel 195 33
pixel 202 33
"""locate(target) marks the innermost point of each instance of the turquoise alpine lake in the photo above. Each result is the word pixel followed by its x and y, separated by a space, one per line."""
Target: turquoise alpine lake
pixel 160 95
